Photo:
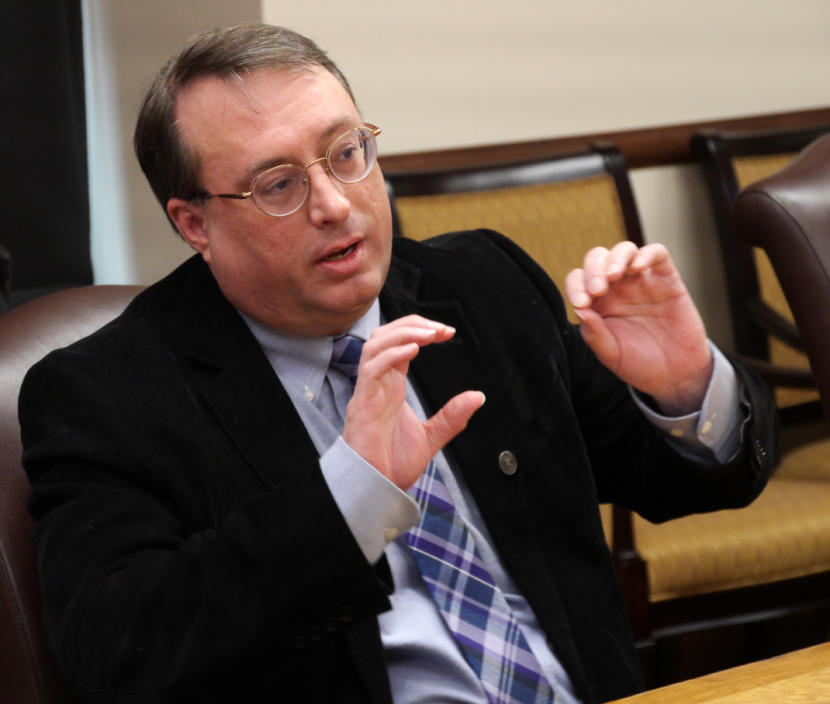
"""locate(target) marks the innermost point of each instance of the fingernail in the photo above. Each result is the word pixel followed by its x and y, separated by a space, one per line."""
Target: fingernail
pixel 579 314
pixel 483 398
pixel 581 300
pixel 596 284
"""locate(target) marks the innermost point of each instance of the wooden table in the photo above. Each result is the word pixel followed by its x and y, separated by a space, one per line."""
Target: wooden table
pixel 800 677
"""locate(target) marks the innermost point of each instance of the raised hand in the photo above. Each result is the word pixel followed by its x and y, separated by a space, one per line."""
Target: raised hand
pixel 380 425
pixel 640 321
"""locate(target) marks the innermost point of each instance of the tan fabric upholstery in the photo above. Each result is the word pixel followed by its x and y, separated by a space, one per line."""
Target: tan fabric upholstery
pixel 749 169
pixel 809 462
pixel 607 525
pixel 556 223
pixel 783 534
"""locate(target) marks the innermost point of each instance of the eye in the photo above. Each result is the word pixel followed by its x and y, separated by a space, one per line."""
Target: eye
pixel 276 186
pixel 278 183
pixel 346 150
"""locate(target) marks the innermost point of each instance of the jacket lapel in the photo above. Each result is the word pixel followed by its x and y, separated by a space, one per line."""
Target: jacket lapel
pixel 442 371
pixel 227 368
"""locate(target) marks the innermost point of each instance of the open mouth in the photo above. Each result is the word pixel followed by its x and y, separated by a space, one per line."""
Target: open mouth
pixel 342 254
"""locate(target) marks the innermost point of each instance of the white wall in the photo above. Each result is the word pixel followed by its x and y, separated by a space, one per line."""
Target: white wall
pixel 438 73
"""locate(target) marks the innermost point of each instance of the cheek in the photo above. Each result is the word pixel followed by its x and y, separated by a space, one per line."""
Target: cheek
pixel 253 251
pixel 377 203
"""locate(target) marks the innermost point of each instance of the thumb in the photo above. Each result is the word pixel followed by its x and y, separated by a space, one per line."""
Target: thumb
pixel 597 335
pixel 452 418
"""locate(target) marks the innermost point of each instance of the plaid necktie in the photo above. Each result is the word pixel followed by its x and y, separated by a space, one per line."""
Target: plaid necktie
pixel 345 355
pixel 468 598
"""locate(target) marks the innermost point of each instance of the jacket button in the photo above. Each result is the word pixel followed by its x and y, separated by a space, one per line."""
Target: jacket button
pixel 508 463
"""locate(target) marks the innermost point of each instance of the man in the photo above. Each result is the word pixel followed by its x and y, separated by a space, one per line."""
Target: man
pixel 222 518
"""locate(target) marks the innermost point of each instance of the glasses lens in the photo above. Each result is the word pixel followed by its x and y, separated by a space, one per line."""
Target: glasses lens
pixel 280 190
pixel 353 155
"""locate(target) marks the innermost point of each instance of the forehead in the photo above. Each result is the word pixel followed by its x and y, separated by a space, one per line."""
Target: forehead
pixel 262 113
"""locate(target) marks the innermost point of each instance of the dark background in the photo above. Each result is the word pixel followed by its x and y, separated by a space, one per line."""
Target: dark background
pixel 44 194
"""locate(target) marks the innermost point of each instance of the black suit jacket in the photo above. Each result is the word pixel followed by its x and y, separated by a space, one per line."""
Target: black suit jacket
pixel 190 550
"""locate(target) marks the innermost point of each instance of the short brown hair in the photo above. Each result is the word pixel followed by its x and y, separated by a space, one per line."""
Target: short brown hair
pixel 169 165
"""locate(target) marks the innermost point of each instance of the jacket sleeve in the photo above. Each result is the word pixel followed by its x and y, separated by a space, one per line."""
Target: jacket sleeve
pixel 632 463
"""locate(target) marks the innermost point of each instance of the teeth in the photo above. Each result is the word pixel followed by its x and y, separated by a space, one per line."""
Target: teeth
pixel 337 256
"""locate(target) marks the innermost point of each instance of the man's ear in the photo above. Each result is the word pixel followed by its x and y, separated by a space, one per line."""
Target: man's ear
pixel 189 219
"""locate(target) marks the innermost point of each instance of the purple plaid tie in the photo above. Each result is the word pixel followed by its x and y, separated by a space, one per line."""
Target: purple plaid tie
pixel 471 604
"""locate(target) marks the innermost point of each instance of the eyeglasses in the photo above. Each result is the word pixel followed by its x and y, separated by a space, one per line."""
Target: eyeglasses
pixel 282 190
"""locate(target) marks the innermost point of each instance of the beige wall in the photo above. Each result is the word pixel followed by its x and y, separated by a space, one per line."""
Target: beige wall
pixel 437 73
pixel 440 73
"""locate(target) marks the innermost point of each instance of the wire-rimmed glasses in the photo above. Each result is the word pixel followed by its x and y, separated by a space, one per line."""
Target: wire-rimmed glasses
pixel 282 190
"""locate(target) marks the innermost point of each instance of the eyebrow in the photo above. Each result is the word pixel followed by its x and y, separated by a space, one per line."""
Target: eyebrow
pixel 336 128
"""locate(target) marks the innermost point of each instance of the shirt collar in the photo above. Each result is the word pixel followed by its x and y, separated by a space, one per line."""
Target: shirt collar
pixel 301 363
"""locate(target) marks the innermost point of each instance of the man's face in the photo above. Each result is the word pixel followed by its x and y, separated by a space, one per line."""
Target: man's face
pixel 316 271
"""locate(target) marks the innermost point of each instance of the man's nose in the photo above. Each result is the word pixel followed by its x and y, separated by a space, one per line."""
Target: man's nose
pixel 327 201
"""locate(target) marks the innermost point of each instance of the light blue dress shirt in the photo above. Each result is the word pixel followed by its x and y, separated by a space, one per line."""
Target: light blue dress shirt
pixel 415 638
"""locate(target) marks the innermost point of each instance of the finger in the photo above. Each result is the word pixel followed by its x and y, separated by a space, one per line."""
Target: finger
pixel 396 331
pixel 412 320
pixel 575 289
pixel 374 367
pixel 652 256
pixel 452 418
pixel 594 271
pixel 597 336
pixel 619 259
pixel 404 335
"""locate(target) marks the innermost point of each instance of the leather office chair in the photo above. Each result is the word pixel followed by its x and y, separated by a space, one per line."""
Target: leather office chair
pixel 28 674
pixel 788 216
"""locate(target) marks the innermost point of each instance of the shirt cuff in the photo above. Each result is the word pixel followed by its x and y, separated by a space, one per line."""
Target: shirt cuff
pixel 714 430
pixel 375 510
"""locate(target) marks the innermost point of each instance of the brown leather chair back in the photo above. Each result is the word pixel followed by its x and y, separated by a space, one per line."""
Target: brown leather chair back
pixel 28 674
pixel 788 216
